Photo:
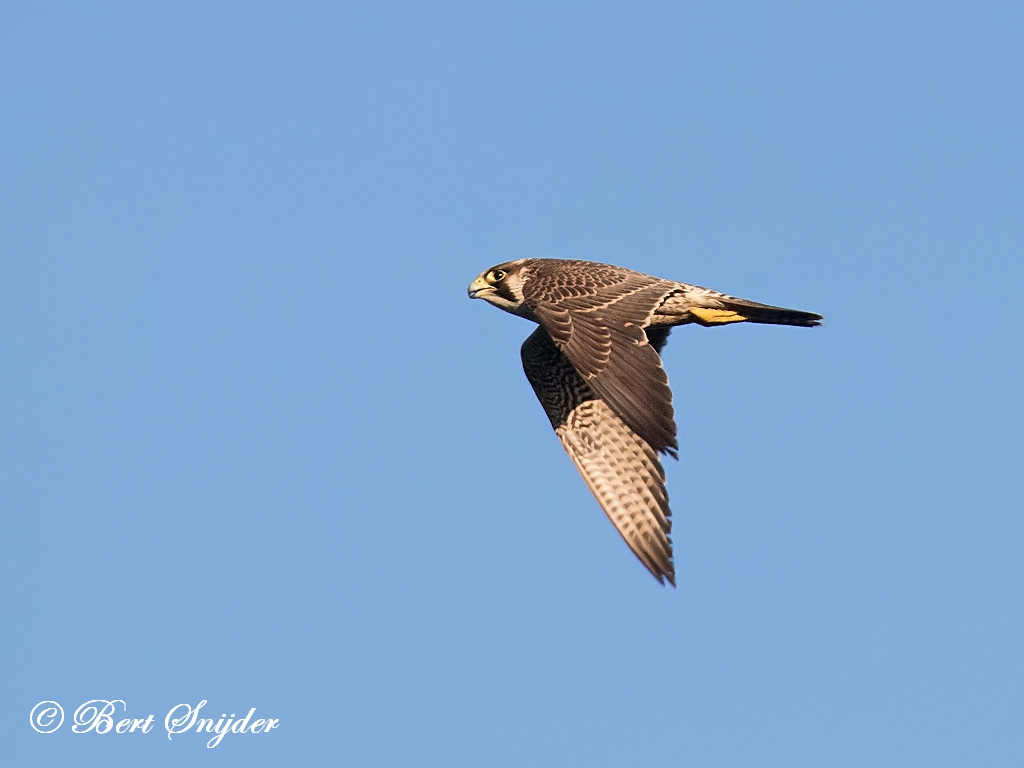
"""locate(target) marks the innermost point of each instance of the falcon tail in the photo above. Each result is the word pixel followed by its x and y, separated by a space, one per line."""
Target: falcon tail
pixel 743 311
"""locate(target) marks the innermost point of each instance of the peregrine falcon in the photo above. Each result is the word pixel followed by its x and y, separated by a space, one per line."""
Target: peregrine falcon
pixel 595 364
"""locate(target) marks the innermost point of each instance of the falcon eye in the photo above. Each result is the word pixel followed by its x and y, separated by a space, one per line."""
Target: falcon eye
pixel 497 275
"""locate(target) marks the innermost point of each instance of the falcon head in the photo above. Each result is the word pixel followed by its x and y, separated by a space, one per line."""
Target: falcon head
pixel 502 286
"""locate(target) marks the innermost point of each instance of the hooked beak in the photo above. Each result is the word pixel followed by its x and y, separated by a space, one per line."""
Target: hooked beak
pixel 479 287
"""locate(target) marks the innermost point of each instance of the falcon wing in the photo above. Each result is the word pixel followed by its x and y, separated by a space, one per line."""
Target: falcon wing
pixel 620 468
pixel 597 314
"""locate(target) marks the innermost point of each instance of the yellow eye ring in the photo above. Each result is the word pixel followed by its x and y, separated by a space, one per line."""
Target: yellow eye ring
pixel 497 275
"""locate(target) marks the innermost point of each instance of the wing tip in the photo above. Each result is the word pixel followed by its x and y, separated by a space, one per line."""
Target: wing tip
pixel 668 574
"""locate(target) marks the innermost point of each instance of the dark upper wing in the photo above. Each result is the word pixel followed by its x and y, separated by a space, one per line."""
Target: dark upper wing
pixel 621 470
pixel 597 314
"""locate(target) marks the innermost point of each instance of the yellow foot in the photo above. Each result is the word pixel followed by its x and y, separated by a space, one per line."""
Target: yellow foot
pixel 716 316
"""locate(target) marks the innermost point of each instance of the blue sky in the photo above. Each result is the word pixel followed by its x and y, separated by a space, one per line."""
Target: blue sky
pixel 259 449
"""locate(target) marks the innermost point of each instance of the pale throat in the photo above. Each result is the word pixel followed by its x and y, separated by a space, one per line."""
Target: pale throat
pixel 517 308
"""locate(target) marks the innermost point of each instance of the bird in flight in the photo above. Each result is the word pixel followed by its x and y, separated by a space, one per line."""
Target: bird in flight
pixel 595 364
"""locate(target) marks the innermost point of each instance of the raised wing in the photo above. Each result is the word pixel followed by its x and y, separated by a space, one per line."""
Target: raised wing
pixel 597 315
pixel 619 467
